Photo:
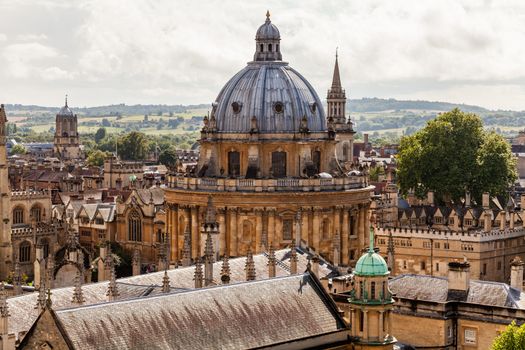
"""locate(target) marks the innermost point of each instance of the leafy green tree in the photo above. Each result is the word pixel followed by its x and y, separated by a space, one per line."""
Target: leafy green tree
pixel 168 157
pixel 453 154
pixel 512 338
pixel 133 146
pixel 18 149
pixel 96 158
pixel 100 134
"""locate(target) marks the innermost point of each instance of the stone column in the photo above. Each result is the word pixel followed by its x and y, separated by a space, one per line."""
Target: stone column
pixel 258 229
pixel 240 233
pixel 365 325
pixel 304 226
pixel 195 248
pixel 380 327
pixel 345 234
pixel 222 232
pixel 353 323
pixel 337 219
pixel 233 231
pixel 278 234
pixel 316 232
pixel 271 226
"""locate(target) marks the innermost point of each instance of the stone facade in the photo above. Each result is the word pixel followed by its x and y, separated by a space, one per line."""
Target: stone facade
pixel 66 141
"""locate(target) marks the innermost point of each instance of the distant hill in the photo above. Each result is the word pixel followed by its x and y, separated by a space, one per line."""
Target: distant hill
pixel 380 105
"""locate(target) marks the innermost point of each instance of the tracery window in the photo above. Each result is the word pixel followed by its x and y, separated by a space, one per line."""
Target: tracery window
pixel 24 252
pixel 18 215
pixel 36 213
pixel 134 226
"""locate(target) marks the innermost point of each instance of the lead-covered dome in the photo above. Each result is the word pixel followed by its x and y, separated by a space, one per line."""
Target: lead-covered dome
pixel 268 95
pixel 65 111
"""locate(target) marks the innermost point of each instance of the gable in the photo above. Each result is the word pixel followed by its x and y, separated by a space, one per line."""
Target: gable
pixel 45 334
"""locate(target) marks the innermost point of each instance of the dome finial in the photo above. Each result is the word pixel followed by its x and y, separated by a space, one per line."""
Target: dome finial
pixel 371 249
pixel 267 15
pixel 66 100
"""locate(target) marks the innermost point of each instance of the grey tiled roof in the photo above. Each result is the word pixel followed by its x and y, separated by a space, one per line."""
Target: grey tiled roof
pixel 435 289
pixel 239 316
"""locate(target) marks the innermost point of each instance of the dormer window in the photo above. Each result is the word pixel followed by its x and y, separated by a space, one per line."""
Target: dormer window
pixel 278 107
pixel 236 107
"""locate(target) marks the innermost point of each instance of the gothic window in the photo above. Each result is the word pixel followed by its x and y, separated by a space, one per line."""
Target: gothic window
pixel 24 252
pixel 247 231
pixel 287 229
pixel 234 163
pixel 279 164
pixel 36 213
pixel 134 226
pixel 18 215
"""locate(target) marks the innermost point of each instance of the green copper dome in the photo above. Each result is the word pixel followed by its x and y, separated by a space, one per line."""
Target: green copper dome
pixel 371 263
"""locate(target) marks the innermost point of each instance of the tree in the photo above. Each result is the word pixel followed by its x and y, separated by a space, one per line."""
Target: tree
pixel 168 157
pixel 96 158
pixel 106 122
pixel 512 338
pixel 453 154
pixel 133 146
pixel 18 149
pixel 100 134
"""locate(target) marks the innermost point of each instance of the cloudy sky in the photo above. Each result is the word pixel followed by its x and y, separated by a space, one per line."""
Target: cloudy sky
pixel 182 52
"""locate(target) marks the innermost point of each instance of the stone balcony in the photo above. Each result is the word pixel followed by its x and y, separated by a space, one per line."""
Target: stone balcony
pixel 266 185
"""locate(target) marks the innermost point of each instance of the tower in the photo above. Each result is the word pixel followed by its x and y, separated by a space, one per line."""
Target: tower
pixel 5 193
pixel 66 141
pixel 336 105
pixel 371 302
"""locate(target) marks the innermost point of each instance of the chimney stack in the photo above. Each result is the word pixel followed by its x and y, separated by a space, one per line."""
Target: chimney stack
pixel 485 201
pixel 516 273
pixel 430 198
pixel 459 276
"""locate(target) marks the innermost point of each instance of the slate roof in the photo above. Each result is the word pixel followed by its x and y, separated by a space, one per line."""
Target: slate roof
pixel 435 289
pixel 23 313
pixel 155 192
pixel 230 317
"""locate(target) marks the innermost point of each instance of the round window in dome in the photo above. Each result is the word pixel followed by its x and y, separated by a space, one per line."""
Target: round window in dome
pixel 236 107
pixel 278 107
pixel 313 107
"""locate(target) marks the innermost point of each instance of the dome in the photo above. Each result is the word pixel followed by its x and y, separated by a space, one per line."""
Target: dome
pixel 65 111
pixel 276 94
pixel 268 31
pixel 371 264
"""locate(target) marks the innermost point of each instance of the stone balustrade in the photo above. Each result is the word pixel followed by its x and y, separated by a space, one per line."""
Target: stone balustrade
pixel 29 194
pixel 266 185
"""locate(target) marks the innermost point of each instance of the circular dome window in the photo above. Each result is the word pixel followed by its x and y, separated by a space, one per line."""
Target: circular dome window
pixel 313 107
pixel 236 106
pixel 278 107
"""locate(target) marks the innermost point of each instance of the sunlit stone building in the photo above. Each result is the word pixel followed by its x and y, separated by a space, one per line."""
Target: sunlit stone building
pixel 268 159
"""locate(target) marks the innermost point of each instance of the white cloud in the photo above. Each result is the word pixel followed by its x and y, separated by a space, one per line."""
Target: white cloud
pixel 3 37
pixel 174 51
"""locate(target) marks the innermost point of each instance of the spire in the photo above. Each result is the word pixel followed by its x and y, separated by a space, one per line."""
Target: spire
pixel 166 282
pixel 197 277
pixel 4 307
pixel 208 260
pixel 225 270
pixel 267 16
pixel 17 279
pixel 250 266
pixel 41 299
pixel 186 248
pixel 336 79
pixel 293 261
pixel 78 296
pixel 272 262
pixel 112 292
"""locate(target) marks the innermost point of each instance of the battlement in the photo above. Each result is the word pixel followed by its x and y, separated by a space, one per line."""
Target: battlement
pixel 29 231
pixel 30 194
pixel 467 236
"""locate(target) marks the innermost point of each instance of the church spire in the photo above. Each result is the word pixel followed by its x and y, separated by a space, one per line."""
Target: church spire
pixel 336 79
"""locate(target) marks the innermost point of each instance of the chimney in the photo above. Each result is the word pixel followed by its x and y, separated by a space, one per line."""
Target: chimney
pixel 430 198
pixel 516 273
pixel 503 220
pixel 459 276
pixel 487 221
pixel 467 199
pixel 365 139
pixel 293 261
pixel 485 201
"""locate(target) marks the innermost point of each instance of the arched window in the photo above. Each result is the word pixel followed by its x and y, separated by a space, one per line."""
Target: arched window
pixel 247 231
pixel 261 47
pixel 345 152
pixel 276 47
pixel 24 252
pixel 279 164
pixel 18 215
pixel 36 213
pixel 234 163
pixel 316 158
pixel 270 47
pixel 372 291
pixel 134 226
pixel 361 290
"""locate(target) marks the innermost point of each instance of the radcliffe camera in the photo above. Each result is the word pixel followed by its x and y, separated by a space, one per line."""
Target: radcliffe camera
pixel 273 175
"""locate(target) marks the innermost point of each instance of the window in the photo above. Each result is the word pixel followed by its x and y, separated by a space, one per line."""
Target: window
pixel 326 229
pixel 451 221
pixel 24 252
pixel 45 248
pixel 470 336
pixel 84 220
pixel 383 290
pixel 468 222
pixel 352 254
pixel 234 163
pixel 423 265
pixel 85 233
pixel 361 290
pixel 36 213
pixel 236 107
pixel 18 215
pixel 99 221
pixel 261 47
pixel 278 107
pixel 247 228
pixel 279 164
pixel 361 320
pixel 437 245
pixel 101 234
pixel 269 47
pixel 427 245
pixel 446 245
pixel 287 229
pixel 450 334
pixel 316 159
pixel 372 290
pixel 134 226
pixel 437 267
pixel 499 265
pixel 276 47
pixel 404 264
pixel 438 219
pixel 484 269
